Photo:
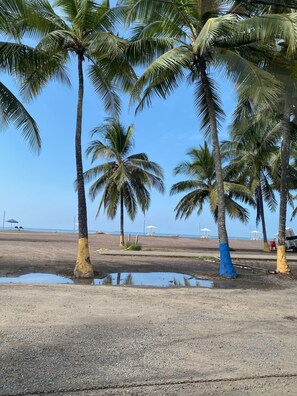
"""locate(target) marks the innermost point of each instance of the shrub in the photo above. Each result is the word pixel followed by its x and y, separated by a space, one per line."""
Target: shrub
pixel 133 246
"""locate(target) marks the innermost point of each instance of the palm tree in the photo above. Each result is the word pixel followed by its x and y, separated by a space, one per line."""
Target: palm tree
pixel 11 108
pixel 80 30
pixel 251 152
pixel 283 68
pixel 126 178
pixel 200 34
pixel 202 187
pixel 288 106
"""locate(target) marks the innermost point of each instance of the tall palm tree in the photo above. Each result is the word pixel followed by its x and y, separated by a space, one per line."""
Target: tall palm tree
pixel 81 30
pixel 251 152
pixel 283 68
pixel 200 34
pixel 11 108
pixel 202 187
pixel 126 178
pixel 288 108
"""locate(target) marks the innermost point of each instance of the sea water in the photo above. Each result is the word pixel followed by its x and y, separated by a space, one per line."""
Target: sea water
pixel 72 231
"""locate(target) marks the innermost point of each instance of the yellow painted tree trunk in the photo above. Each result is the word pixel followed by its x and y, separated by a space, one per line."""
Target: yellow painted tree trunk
pixel 83 267
pixel 266 247
pixel 122 240
pixel 282 266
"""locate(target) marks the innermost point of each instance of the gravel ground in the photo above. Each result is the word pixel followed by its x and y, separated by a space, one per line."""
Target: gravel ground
pixel 88 340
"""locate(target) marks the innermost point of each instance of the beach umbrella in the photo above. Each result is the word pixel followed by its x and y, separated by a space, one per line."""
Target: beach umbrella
pixel 205 231
pixel 255 235
pixel 151 228
pixel 12 221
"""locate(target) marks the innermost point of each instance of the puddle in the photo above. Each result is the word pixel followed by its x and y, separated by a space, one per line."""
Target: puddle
pixel 37 278
pixel 154 279
pixel 157 279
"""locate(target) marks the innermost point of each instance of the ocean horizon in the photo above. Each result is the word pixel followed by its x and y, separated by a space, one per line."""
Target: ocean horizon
pixel 111 232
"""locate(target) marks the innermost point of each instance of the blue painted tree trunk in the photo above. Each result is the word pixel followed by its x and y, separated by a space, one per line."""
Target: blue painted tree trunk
pixel 226 266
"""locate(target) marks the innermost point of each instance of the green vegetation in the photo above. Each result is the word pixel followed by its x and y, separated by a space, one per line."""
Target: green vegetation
pixel 132 246
pixel 17 60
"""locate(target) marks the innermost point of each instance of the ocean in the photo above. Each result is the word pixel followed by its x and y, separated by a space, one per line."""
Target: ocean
pixel 72 231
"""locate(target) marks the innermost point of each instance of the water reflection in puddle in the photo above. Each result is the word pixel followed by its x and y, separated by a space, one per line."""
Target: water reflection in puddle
pixel 37 278
pixel 157 279
pixel 154 279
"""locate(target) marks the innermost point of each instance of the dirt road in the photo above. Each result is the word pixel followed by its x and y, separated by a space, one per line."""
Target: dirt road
pixel 90 340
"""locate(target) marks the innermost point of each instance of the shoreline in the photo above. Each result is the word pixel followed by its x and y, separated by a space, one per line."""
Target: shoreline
pixel 170 242
pixel 132 234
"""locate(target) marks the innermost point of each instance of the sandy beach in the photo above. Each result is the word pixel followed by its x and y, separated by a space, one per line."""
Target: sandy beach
pixel 109 340
pixel 55 253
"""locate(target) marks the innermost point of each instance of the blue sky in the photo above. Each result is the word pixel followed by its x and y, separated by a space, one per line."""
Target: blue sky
pixel 38 191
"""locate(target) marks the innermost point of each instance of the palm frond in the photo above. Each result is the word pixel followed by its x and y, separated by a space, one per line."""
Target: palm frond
pixel 237 211
pixel 187 185
pixel 97 186
pixel 12 110
pixel 161 77
pixel 106 89
pixel 190 202
pixel 32 67
pixel 269 27
pixel 129 200
pixel 213 29
pixel 202 107
pixel 252 82
pixel 268 194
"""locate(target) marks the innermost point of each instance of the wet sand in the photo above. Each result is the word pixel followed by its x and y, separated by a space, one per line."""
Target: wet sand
pixel 55 253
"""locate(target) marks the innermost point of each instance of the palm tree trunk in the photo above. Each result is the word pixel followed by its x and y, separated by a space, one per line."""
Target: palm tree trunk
pixel 262 215
pixel 282 264
pixel 226 266
pixel 83 267
pixel 122 237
